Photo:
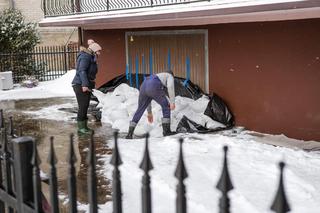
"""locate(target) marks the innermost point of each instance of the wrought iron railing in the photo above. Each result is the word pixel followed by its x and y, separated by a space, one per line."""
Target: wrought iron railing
pixel 44 62
pixel 19 162
pixel 71 7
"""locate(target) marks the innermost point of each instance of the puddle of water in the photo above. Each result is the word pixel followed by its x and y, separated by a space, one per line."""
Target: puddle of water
pixel 43 129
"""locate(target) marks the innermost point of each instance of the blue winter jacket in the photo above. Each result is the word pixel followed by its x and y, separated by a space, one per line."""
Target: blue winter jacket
pixel 86 69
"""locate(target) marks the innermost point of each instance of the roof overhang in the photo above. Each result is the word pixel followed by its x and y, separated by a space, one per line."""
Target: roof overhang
pixel 191 14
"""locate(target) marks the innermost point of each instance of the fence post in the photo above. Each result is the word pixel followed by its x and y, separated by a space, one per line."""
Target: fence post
pixel 280 203
pixel 224 185
pixel 116 182
pixel 181 174
pixel 7 175
pixel 65 59
pixel 77 5
pixel 92 177
pixel 146 166
pixel 52 160
pixel 1 119
pixel 72 186
pixel 22 151
pixel 44 5
pixel 36 179
pixel 2 138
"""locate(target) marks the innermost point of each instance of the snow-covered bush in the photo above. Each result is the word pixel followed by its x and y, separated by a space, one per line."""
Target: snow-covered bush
pixel 16 34
pixel 17 39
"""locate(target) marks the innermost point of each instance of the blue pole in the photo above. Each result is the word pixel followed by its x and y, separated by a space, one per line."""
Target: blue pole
pixel 169 59
pixel 127 72
pixel 137 72
pixel 130 71
pixel 150 61
pixel 185 83
pixel 144 67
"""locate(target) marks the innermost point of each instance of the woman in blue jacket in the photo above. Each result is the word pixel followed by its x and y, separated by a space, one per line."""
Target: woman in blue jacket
pixel 84 82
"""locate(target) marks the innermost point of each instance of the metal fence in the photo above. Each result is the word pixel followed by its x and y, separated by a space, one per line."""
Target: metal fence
pixel 43 62
pixel 62 7
pixel 20 187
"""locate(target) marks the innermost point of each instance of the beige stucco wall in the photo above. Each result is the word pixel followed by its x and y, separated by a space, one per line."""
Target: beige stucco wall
pixel 32 12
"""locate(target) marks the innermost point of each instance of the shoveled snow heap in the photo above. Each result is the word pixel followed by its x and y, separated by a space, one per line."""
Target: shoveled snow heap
pixel 119 106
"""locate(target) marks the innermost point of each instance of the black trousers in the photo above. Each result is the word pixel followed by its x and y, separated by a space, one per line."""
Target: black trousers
pixel 83 99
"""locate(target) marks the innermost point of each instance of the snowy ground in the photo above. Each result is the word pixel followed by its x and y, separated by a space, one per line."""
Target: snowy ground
pixel 253 163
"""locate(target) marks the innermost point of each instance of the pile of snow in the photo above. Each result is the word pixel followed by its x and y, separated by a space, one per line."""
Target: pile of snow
pixel 60 87
pixel 119 106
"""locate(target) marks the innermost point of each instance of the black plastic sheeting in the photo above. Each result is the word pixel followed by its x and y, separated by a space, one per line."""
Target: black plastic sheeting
pixel 218 111
pixel 190 90
pixel 187 125
pixel 216 108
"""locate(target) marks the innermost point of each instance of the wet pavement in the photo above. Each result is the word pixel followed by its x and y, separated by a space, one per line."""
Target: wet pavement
pixel 41 126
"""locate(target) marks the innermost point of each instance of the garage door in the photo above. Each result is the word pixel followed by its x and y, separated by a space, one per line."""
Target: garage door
pixel 158 51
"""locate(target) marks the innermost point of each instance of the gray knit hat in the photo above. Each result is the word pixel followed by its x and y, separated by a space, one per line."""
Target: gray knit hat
pixel 95 47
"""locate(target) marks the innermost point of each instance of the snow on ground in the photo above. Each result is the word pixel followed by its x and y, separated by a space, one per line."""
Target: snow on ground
pixel 253 168
pixel 253 163
pixel 60 87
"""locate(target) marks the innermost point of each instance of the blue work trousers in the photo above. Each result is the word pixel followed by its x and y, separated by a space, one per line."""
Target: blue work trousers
pixel 151 89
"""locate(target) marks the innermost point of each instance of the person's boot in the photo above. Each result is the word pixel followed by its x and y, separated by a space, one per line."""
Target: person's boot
pixel 130 132
pixel 82 129
pixel 86 125
pixel 166 129
pixel 132 126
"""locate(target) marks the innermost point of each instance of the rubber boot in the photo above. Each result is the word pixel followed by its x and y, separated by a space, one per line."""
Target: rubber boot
pixel 86 125
pixel 82 129
pixel 130 132
pixel 166 129
pixel 132 126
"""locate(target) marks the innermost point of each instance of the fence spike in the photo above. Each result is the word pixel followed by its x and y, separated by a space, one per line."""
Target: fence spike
pixel 4 142
pixel 146 166
pixel 116 181
pixel 20 130
pixel 92 179
pixel 72 178
pixel 1 119
pixel 280 203
pixel 36 179
pixel 116 159
pixel 2 205
pixel 11 127
pixel 181 174
pixel 7 168
pixel 224 185
pixel 52 160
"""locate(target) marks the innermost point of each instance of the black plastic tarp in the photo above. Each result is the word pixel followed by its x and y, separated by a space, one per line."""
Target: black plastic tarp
pixel 189 89
pixel 187 125
pixel 218 111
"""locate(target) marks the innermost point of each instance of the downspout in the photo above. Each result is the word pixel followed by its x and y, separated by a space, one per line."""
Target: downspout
pixel 80 36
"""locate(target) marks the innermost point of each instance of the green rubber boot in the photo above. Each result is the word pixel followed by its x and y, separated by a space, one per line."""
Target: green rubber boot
pixel 83 128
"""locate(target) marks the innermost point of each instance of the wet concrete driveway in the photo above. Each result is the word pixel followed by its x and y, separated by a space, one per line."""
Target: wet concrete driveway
pixel 42 118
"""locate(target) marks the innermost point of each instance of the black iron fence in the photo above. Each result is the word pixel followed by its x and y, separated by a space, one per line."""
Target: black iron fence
pixel 43 62
pixel 20 187
pixel 62 7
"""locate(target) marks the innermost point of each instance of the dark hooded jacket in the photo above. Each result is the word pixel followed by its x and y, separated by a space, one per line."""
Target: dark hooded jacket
pixel 86 69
